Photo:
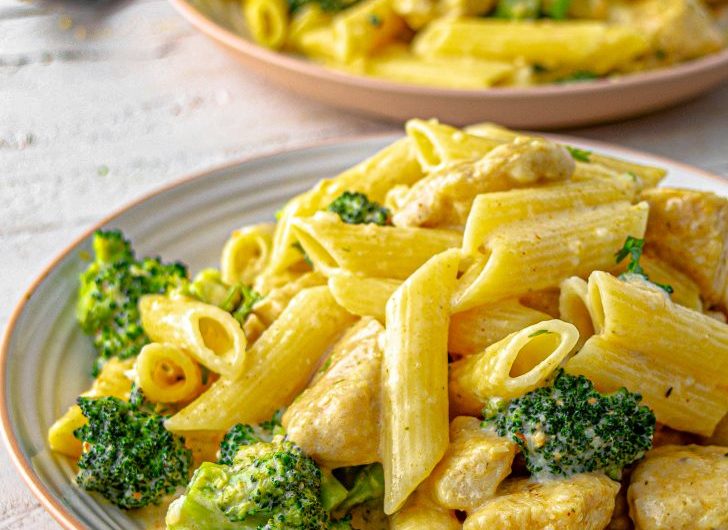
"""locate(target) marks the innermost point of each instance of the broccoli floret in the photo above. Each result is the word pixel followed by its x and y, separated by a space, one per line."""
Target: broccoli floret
pixel 367 484
pixel 208 287
pixel 568 427
pixel 269 486
pixel 241 434
pixel 356 208
pixel 129 457
pixel 110 289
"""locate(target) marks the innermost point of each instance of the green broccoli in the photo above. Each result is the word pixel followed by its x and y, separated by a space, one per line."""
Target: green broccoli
pixel 365 483
pixel 269 486
pixel 208 287
pixel 242 434
pixel 568 427
pixel 530 9
pixel 356 208
pixel 633 248
pixel 129 457
pixel 109 291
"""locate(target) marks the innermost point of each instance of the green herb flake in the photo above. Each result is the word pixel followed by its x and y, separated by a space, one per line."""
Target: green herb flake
pixel 582 155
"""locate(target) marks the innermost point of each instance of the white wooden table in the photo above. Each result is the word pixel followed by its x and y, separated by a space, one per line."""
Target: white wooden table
pixel 101 102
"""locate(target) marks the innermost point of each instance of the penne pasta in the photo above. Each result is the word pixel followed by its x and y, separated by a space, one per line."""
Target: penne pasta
pixel 364 28
pixel 370 250
pixel 166 374
pixel 280 364
pixel 246 253
pixel 414 380
pixel 511 367
pixel 267 21
pixel 209 334
pixel 574 308
pixel 362 296
pixel 573 243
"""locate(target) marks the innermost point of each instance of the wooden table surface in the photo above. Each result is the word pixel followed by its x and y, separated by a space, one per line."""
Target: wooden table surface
pixel 102 102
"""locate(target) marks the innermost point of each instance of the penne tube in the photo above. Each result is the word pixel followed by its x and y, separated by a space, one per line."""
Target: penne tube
pixel 368 249
pixel 166 374
pixel 421 511
pixel 414 380
pixel 572 45
pixel 474 330
pixel 493 210
pixel 308 18
pixel 362 296
pixel 267 21
pixel 394 165
pixel 437 145
pixel 678 399
pixel 511 367
pixel 541 252
pixel 209 334
pixel 574 307
pixel 399 64
pixel 364 28
pixel 685 291
pixel 280 365
pixel 246 253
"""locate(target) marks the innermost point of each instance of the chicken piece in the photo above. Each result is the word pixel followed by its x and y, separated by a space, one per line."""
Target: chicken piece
pixel 689 230
pixel 444 198
pixel 580 502
pixel 679 29
pixel 680 487
pixel 336 419
pixel 475 463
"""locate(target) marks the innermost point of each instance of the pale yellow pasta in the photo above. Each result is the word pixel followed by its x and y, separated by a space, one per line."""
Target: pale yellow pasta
pixel 246 253
pixel 166 374
pixel 367 26
pixel 362 295
pixel 279 365
pixel 397 63
pixel 685 291
pixel 318 43
pixel 368 249
pixel 267 21
pixel 675 357
pixel 421 511
pixel 394 165
pixel 414 378
pixel 492 210
pixel 595 46
pixel 510 367
pixel 574 307
pixel 209 334
pixel 308 18
pixel 474 330
pixel 438 145
pixel 572 243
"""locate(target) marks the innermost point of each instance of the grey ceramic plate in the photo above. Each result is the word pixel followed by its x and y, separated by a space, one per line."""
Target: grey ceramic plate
pixel 43 355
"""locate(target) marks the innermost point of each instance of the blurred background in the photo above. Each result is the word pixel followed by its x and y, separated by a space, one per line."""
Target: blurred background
pixel 101 102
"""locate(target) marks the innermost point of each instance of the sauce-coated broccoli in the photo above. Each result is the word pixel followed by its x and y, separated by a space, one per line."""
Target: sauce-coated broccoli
pixel 356 208
pixel 128 456
pixel 208 287
pixel 110 289
pixel 269 485
pixel 568 427
pixel 242 434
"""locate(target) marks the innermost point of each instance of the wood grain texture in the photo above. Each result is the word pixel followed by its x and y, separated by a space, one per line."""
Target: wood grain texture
pixel 102 102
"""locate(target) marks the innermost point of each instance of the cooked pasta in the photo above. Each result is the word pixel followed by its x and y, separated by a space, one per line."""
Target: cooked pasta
pixel 475 44
pixel 471 329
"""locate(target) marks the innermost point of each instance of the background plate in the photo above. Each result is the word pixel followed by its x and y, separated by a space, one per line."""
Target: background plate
pixel 540 107
pixel 45 359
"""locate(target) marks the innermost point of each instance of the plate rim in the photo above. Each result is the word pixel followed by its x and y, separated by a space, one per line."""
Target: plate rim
pixel 309 68
pixel 64 516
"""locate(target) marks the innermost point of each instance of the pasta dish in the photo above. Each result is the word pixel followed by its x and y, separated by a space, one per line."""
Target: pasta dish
pixel 472 44
pixel 473 329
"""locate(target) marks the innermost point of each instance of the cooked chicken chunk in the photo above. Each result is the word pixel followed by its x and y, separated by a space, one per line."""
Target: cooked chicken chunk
pixel 681 487
pixel 444 198
pixel 581 502
pixel 476 462
pixel 422 512
pixel 680 29
pixel 336 419
pixel 689 230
